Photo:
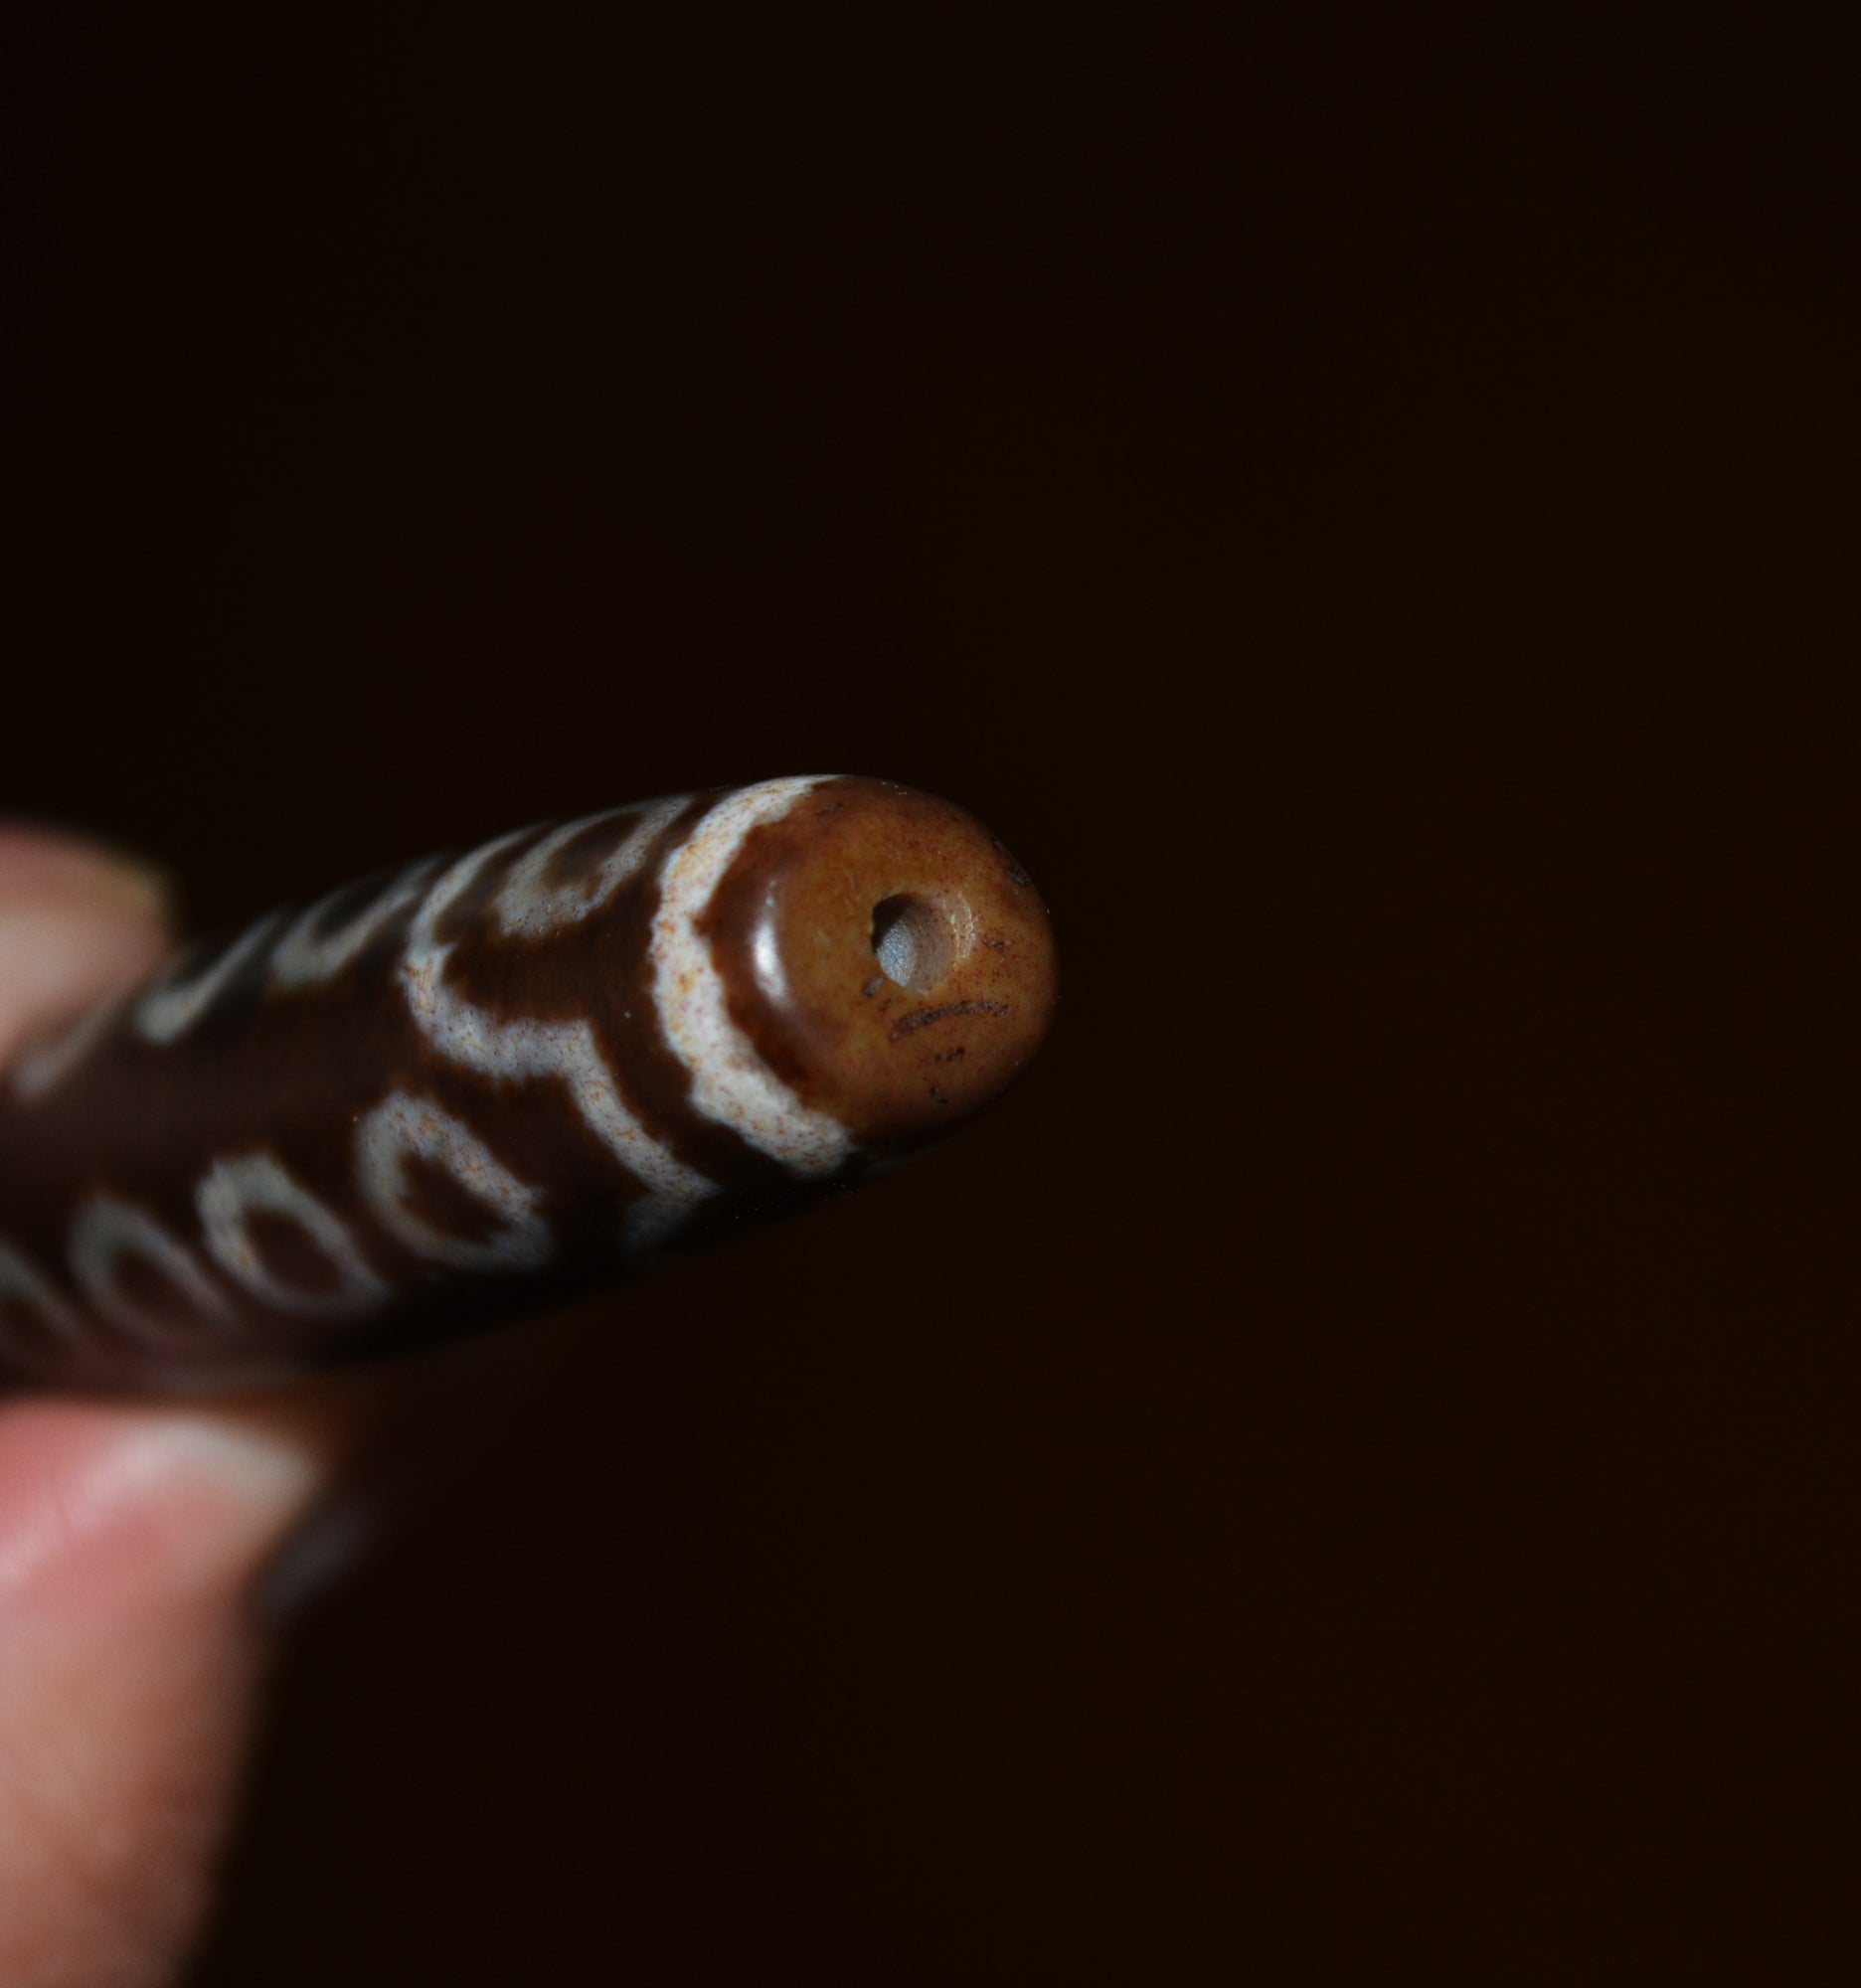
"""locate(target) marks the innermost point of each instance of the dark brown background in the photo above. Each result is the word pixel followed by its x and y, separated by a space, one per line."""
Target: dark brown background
pixel 1352 1473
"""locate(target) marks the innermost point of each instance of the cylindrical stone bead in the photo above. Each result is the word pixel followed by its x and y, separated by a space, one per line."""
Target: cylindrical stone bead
pixel 480 1083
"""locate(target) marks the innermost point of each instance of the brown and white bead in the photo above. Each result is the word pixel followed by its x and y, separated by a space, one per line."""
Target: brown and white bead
pixel 478 1084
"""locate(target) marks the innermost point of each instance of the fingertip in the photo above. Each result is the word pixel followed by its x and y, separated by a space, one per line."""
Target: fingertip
pixel 148 1557
pixel 132 1543
pixel 77 919
pixel 108 1506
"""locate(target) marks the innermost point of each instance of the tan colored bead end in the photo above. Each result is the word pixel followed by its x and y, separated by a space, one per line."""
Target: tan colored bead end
pixel 888 958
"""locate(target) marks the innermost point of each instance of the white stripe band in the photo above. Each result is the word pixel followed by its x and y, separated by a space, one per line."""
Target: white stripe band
pixel 522 1048
pixel 730 1082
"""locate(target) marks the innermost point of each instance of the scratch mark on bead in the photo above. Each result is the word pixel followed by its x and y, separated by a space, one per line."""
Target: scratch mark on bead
pixel 923 1018
pixel 1013 869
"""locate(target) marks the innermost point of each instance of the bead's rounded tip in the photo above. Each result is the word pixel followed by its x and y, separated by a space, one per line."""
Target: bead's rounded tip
pixel 888 958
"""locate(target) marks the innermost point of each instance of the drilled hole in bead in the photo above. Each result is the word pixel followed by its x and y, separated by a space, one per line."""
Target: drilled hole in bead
pixel 912 942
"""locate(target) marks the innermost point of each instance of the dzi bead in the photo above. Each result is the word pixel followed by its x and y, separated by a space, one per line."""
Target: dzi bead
pixel 477 1084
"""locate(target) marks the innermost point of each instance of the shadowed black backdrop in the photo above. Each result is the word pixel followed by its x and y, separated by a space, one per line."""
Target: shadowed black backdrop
pixel 1351 1470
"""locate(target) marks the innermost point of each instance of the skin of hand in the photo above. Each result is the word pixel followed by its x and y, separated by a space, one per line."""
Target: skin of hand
pixel 146 1551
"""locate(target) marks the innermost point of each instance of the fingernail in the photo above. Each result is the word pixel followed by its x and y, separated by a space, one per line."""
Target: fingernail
pixel 431 1421
pixel 44 866
pixel 316 1560
pixel 265 1475
pixel 143 888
